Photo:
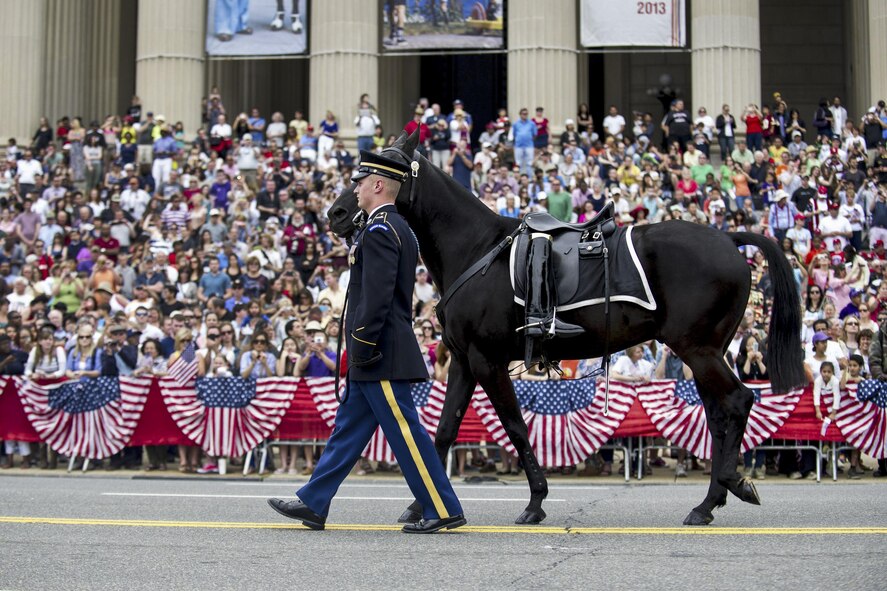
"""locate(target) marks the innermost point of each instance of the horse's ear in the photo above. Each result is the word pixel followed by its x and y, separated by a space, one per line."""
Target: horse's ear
pixel 401 139
pixel 412 142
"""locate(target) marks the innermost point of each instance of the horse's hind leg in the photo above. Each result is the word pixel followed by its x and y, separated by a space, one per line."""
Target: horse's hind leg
pixel 727 403
pixel 497 384
pixel 737 406
pixel 460 387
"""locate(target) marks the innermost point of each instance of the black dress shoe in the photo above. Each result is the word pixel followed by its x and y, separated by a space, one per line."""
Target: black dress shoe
pixel 410 516
pixel 429 526
pixel 297 510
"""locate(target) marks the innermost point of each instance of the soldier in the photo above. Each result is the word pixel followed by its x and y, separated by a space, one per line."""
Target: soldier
pixel 384 358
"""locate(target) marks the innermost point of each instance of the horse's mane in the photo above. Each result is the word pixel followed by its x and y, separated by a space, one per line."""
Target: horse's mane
pixel 462 198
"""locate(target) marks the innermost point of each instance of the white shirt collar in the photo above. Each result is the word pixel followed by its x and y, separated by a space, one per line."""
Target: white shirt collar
pixel 372 213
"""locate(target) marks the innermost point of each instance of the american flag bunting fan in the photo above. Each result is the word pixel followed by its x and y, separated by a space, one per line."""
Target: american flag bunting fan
pixel 566 423
pixel 428 396
pixel 676 410
pixel 228 416
pixel 91 418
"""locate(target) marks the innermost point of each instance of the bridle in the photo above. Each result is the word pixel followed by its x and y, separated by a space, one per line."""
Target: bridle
pixel 413 163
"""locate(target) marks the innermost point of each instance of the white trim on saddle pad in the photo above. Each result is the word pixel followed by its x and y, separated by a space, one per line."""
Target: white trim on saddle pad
pixel 648 304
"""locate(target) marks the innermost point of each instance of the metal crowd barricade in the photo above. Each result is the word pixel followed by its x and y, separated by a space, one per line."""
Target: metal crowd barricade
pixel 837 448
pixel 816 448
pixel 267 444
pixel 626 450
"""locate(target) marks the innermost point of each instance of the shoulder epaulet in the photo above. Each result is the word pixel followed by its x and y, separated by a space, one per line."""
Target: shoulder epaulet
pixel 380 222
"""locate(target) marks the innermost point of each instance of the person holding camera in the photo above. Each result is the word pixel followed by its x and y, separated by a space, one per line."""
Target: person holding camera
pixel 318 360
pixel 118 357
pixel 258 362
pixel 754 131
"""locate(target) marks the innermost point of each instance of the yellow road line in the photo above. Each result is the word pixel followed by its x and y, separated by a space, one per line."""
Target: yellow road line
pixel 479 529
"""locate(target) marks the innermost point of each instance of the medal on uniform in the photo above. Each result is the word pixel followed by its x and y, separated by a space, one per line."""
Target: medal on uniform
pixel 352 258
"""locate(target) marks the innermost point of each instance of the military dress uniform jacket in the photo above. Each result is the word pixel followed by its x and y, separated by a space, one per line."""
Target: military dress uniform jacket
pixel 379 316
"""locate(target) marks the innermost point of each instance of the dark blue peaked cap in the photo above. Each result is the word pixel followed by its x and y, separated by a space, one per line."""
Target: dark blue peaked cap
pixel 371 163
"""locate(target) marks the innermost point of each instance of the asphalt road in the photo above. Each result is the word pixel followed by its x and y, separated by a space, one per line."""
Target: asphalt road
pixel 97 532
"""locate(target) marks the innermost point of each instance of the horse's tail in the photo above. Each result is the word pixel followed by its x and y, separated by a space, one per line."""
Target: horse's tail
pixel 785 361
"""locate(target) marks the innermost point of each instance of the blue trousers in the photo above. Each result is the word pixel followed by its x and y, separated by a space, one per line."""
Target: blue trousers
pixel 524 159
pixel 389 404
pixel 231 16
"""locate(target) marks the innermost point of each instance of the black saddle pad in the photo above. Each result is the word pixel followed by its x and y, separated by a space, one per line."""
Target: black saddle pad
pixel 580 282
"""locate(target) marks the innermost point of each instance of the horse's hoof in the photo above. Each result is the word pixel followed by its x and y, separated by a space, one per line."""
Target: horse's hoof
pixel 748 492
pixel 410 516
pixel 698 518
pixel 530 517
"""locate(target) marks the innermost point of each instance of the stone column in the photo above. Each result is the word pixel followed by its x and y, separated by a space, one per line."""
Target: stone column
pixel 726 55
pixel 543 59
pixel 103 91
pixel 169 59
pixel 22 68
pixel 344 61
pixel 398 91
pixel 67 68
pixel 877 52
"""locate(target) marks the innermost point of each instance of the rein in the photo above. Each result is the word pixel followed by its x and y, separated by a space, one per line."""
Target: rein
pixel 359 222
pixel 482 265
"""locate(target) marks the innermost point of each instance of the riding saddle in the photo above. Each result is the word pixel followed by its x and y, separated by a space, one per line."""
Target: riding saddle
pixel 577 261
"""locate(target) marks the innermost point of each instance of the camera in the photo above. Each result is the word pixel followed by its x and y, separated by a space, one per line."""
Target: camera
pixel 318 339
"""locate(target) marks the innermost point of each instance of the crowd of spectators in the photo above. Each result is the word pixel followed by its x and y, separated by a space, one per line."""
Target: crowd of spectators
pixel 124 240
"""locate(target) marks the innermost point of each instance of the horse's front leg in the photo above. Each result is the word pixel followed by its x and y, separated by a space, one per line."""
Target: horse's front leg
pixel 496 382
pixel 460 387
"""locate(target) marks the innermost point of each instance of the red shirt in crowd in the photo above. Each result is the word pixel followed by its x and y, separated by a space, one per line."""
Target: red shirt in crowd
pixel 295 237
pixel 424 132
pixel 753 124
pixel 44 264
pixel 109 243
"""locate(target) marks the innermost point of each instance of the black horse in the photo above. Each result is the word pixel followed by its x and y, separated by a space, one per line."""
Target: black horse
pixel 700 282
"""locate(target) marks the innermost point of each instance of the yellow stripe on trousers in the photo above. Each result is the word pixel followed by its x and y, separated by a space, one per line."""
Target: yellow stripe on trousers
pixel 414 451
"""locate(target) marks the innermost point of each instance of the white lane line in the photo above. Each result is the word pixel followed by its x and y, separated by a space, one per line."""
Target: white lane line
pixel 338 498
pixel 519 487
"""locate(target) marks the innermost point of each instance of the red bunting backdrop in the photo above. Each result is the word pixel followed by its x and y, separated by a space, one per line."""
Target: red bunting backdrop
pixel 559 438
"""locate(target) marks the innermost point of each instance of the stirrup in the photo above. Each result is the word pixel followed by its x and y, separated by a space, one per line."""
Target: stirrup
pixel 534 329
pixel 548 329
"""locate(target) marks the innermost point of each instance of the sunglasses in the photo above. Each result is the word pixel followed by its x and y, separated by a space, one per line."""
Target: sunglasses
pixel 260 342
pixel 84 337
pixel 212 336
pixel 224 332
pixel 141 313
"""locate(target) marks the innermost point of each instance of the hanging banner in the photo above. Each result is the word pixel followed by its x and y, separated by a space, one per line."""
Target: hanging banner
pixel 604 23
pixel 246 28
pixel 434 25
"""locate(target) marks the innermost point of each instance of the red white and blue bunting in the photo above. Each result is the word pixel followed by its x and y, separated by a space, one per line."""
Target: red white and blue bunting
pixel 93 418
